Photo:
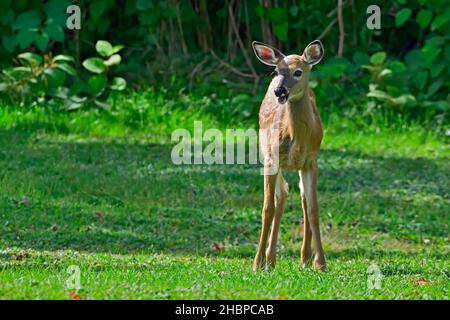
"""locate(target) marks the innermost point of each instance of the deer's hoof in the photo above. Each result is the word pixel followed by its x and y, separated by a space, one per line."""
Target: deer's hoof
pixel 258 263
pixel 271 261
pixel 320 265
pixel 306 257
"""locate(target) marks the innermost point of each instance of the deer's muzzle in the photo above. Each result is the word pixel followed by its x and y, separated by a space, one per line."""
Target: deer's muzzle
pixel 282 94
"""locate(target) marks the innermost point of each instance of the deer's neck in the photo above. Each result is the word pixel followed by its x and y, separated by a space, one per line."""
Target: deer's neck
pixel 300 117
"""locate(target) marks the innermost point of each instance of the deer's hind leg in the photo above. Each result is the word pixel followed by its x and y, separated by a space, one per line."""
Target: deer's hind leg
pixel 309 184
pixel 305 251
pixel 281 195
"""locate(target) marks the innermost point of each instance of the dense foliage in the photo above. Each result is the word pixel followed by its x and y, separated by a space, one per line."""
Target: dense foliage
pixel 205 45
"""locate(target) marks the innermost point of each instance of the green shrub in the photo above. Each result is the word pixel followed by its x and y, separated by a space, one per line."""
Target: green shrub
pixel 36 77
pixel 99 85
pixel 54 80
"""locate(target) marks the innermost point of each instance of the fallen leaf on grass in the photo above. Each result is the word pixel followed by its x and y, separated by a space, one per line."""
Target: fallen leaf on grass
pixel 423 282
pixel 216 246
pixel 99 214
pixel 74 295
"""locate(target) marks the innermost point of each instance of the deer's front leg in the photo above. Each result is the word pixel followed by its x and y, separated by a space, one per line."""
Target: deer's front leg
pixel 267 217
pixel 309 181
pixel 281 195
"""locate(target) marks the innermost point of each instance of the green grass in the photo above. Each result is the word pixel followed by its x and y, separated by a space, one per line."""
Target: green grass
pixel 98 190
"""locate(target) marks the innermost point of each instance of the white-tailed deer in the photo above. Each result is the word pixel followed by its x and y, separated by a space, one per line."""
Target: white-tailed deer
pixel 289 113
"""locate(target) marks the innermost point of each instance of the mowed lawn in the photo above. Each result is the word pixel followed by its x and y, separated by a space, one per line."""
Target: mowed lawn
pixel 139 227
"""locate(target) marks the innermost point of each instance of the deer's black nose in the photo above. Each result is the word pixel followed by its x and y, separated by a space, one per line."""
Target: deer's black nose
pixel 280 91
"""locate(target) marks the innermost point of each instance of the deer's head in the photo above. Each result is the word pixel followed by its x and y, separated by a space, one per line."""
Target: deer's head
pixel 291 74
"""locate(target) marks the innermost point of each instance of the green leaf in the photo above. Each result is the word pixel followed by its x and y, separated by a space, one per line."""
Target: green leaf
pixel 31 58
pixel 439 21
pixel 67 68
pixel 78 99
pixel 70 105
pixel 104 48
pixel 404 99
pixel 334 68
pixel 113 60
pixel 55 77
pixel 402 16
pixel 96 84
pixel 144 4
pixel 378 58
pixel 434 88
pixel 360 58
pixel 63 57
pixel 385 73
pixel 397 66
pixel 424 18
pixel 437 68
pixel 96 8
pixel 420 79
pixel 101 104
pixel 378 94
pixel 29 19
pixel 25 37
pixel 430 53
pixel 436 41
pixel 442 105
pixel 118 84
pixel 21 70
pixel 41 41
pixel 55 11
pixel 18 72
pixel 117 48
pixel 77 87
pixel 415 59
pixel 95 65
pixel 55 32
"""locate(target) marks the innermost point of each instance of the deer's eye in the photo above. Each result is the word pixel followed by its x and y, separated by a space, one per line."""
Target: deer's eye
pixel 274 74
pixel 298 73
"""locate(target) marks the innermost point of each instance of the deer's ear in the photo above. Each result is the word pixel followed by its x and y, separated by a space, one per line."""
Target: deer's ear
pixel 314 52
pixel 267 54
